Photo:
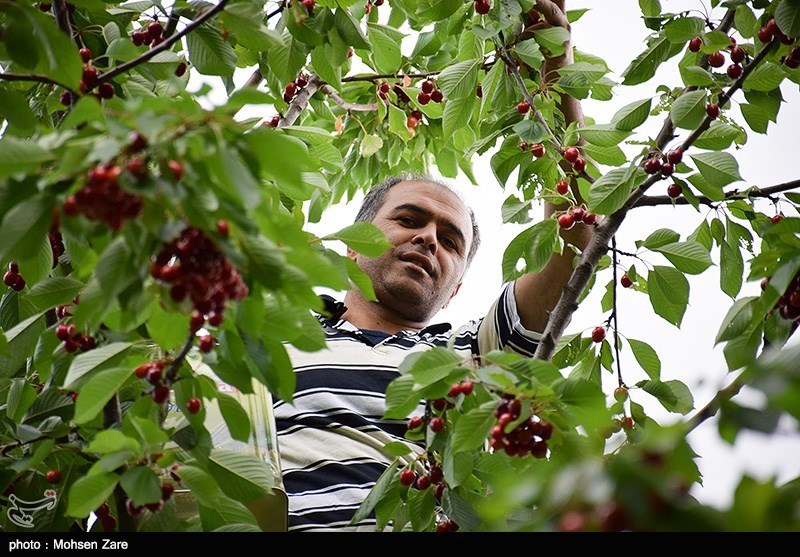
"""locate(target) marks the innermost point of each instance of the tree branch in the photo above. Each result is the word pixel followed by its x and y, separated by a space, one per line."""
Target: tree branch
pixel 652 201
pixel 301 100
pixel 7 76
pixel 334 95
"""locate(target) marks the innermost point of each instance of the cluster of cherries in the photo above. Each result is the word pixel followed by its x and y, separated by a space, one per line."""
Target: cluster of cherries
pixel 529 437
pixel 12 277
pixel 152 35
pixel 167 489
pixel 770 32
pixel 294 87
pixel 55 238
pixel 536 149
pixel 195 268
pixel 717 58
pixel 788 305
pixel 428 92
pixel 102 198
pixel 73 338
pixel 370 3
pixel 665 165
pixel 574 214
pixel 153 372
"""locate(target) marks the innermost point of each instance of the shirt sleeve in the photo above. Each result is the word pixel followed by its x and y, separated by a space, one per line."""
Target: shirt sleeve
pixel 501 329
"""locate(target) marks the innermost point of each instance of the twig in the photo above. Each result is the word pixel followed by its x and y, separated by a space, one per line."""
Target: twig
pixel 8 76
pixel 654 200
pixel 614 314
pixel 331 92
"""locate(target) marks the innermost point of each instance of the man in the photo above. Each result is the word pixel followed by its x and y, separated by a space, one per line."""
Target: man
pixel 332 435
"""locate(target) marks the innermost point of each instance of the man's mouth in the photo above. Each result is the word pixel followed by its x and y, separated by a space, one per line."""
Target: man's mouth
pixel 419 260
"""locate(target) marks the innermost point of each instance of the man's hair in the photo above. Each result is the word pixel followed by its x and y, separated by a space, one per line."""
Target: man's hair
pixel 376 197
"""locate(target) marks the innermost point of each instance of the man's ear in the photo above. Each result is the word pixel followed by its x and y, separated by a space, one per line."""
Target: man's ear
pixel 453 295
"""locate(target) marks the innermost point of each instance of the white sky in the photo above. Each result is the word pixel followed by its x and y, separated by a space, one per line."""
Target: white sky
pixel 614 31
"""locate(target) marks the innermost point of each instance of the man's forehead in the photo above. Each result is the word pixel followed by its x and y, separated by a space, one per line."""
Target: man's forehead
pixel 418 191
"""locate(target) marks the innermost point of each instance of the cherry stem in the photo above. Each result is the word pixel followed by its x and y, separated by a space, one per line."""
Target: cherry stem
pixel 614 314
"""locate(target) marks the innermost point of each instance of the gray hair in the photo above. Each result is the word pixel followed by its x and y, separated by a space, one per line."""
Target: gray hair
pixel 376 197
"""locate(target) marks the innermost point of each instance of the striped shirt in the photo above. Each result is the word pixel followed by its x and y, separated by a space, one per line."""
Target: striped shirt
pixel 331 436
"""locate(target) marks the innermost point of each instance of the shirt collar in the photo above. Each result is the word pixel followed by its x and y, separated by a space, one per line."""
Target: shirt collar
pixel 334 309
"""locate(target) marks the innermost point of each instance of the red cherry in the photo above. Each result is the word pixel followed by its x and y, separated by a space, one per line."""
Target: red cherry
pixel 537 150
pixel 571 154
pixel 384 87
pixel 590 218
pixel 10 279
pixel 626 281
pixel 652 165
pixel 716 59
pixel 423 98
pixel 106 90
pixel 301 81
pixel 89 75
pixel 427 86
pixel 309 4
pixel 411 122
pixel 627 423
pixel 206 343
pixel 407 477
pixel 215 318
pixel 423 483
pixel 523 107
pixel 572 521
pixel 53 476
pixel 578 213
pixel 180 69
pixel 65 98
pixel 437 96
pixel 436 424
pixel 160 393
pixel 155 30
pixel 566 221
pixel 467 387
pixel 765 34
pixel 562 187
pixel 598 334
pixel 167 489
pixel 193 405
pixel 776 218
pixel 667 169
pixel 523 146
pixel 734 71
pixel 455 390
pixel 737 54
pixel 674 190
pixel 415 422
pixel 695 44
pixel 177 169
pixel 142 370
pixel 222 228
pixel 133 510
pixel 712 110
pixel 436 474
pixel 291 89
pixel 479 91
pixel 675 156
pixel 85 54
pixel 482 6
pixel 579 165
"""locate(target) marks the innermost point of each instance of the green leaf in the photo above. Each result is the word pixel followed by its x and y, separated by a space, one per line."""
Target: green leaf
pixel 396 448
pixel 731 267
pixel 264 258
pixel 383 485
pixel 14 108
pixel 244 20
pixel 401 397
pixel 611 191
pixel 241 475
pixel 764 77
pixel 94 360
pixel 530 53
pixel 689 257
pixel 350 30
pixel 370 145
pixel 718 136
pixel 516 211
pixel 689 110
pixel 534 246
pixel 97 391
pixel 88 493
pixel 53 291
pixel 397 123
pixel 363 237
pixel 25 225
pixel 385 47
pixel 457 113
pixel 21 340
pixel 673 395
pixel 361 280
pixel 551 40
pixel 21 395
pixel 646 357
pixel 787 16
pixel 433 365
pixel 604 135
pixel 632 115
pixel 474 427
pixel 682 29
pixel 645 65
pixel 460 80
pixel 110 441
pixel 658 238
pixel 209 52
pixel 611 156
pixel 669 293
pixel 715 193
pixel 718 168
pixel 141 484
pixel 460 511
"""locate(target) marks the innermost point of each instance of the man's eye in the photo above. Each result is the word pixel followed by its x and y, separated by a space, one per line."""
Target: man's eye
pixel 406 220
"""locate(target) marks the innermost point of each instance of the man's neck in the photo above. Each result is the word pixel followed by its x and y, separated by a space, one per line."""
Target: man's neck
pixel 374 316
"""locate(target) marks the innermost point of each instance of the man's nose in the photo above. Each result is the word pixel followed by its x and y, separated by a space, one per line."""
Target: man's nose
pixel 427 237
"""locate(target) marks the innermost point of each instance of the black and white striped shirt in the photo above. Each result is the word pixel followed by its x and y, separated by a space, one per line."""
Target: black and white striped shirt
pixel 331 436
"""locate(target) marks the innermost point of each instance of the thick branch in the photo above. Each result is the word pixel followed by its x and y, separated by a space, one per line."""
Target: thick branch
pixel 301 100
pixel 561 315
pixel 62 17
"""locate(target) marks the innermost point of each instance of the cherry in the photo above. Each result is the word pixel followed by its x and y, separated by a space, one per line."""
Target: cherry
pixel 167 489
pixel 572 521
pixel 411 122
pixel 776 218
pixel 423 98
pixel 141 371
pixel 133 510
pixel 734 71
pixel 154 375
pixel 674 190
pixel 427 86
pixel 138 38
pixel 177 169
pixel 160 393
pixel 65 98
pixel 274 121
pixel 155 30
pixel 621 394
pixel 598 334
pixel 309 4
pixel 765 35
pixel 523 146
pixel 206 343
pixel 571 154
pixel 10 279
pixel 455 390
pixel 675 156
pixel 737 54
pixel 438 491
pixel 537 150
pixel 566 221
pixel 667 169
pixel 384 87
pixel 408 477
pixel 627 423
pixel 436 424
pixel 695 44
pixel 447 526
pixel 301 80
pixel 415 422
pixel 467 387
pixel 716 59
pixel 436 474
pixel 89 75
pixel 523 107
pixel 482 6
pixel 106 90
pixel 291 89
pixel 222 228
pixel 626 281
pixel 193 405
pixel 53 476
pixel 215 318
pixel 423 483
pixel 181 69
pixel 437 96
pixel 579 165
pixel 652 165
pixel 479 91
pixel 578 213
pixel 562 187
pixel 712 110
pixel 108 523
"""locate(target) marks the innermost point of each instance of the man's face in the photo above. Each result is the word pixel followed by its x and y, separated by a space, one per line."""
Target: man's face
pixel 431 230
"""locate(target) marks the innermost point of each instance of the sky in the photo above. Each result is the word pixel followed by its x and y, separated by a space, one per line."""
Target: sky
pixel 615 32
